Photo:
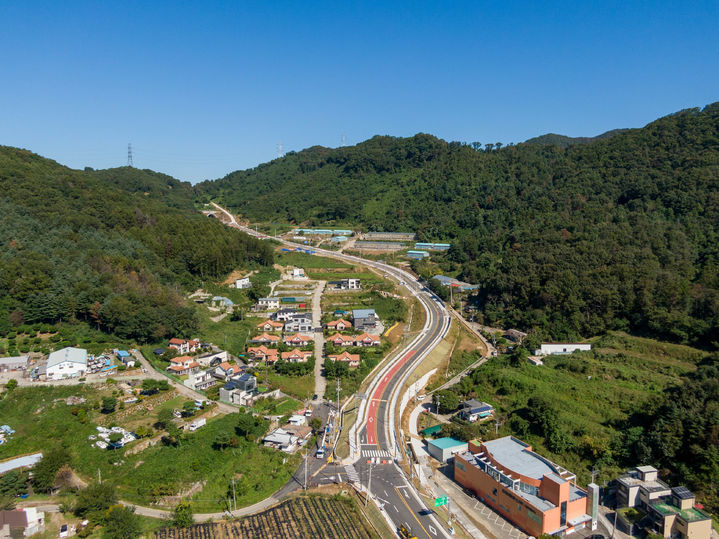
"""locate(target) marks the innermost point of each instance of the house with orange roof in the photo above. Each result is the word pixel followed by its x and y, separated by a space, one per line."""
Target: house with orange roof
pixel 339 325
pixel 341 340
pixel 297 340
pixel 266 338
pixel 353 360
pixel 225 370
pixel 270 325
pixel 262 353
pixel 183 365
pixel 296 356
pixel 367 339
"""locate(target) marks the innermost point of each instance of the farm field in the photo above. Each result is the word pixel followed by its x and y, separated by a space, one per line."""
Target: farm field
pixel 297 518
pixel 44 420
pixel 303 260
pixel 300 387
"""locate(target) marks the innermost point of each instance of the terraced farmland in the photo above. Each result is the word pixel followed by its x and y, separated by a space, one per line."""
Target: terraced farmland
pixel 298 518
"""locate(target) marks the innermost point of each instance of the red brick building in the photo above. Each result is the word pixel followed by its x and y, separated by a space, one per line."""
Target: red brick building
pixel 530 491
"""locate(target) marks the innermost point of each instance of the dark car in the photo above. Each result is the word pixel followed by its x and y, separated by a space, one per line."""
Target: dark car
pixel 314 397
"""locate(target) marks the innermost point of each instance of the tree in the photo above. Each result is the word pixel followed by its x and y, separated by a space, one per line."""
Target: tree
pixel 188 409
pixel 222 440
pixel 115 437
pixel 164 418
pixel 94 499
pixel 13 483
pixel 182 515
pixel 121 523
pixel 108 405
pixel 11 384
pixel 46 470
pixel 448 401
pixel 316 424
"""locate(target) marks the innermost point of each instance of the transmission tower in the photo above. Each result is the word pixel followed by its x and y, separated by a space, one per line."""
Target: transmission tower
pixel 344 140
pixel 279 149
pixel 129 155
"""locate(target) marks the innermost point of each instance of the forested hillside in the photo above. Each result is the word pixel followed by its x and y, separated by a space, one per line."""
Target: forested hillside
pixel 573 240
pixel 110 248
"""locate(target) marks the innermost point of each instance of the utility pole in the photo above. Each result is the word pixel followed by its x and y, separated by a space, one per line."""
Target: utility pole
pixel 437 407
pixel 306 453
pixel 234 495
pixel 496 427
pixel 99 477
pixel 369 486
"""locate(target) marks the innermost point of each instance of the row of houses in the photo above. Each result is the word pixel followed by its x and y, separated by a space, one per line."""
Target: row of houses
pixel 271 355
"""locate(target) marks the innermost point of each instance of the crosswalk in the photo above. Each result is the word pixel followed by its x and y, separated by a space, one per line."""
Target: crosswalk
pixel 375 453
pixel 352 474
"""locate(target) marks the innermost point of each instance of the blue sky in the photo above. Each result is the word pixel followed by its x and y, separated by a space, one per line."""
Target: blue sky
pixel 204 88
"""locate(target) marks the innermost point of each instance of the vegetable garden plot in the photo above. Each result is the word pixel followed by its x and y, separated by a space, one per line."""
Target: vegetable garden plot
pixel 298 518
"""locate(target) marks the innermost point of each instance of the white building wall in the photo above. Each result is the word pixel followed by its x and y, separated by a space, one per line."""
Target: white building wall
pixel 547 349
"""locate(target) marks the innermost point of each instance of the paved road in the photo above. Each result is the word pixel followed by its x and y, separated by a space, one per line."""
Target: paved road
pixel 320 380
pixel 377 423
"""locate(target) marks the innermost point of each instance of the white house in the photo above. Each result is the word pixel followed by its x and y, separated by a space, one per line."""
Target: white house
pixel 269 304
pixel 550 348
pixel 210 359
pixel 66 363
pixel 298 273
pixel 243 283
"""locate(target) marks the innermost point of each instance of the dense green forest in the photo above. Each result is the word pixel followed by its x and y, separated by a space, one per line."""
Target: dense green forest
pixel 572 239
pixel 115 248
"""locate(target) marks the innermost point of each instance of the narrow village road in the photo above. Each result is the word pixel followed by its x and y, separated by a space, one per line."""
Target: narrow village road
pixel 320 380
pixel 180 388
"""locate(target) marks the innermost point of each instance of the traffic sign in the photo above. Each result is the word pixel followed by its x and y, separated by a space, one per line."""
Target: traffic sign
pixel 442 500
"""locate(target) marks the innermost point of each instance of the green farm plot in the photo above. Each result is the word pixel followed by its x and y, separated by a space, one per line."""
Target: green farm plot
pixel 303 260
pixel 301 387
pixel 281 406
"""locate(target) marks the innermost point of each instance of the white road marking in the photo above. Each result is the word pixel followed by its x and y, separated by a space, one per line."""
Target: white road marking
pixel 395 508
pixel 434 532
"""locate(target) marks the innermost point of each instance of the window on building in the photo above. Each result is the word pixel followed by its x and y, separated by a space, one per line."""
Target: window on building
pixel 563 514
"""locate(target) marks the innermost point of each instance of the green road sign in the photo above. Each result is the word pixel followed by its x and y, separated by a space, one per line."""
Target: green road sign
pixel 442 500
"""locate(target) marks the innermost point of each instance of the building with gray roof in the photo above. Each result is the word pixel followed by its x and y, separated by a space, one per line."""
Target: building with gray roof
pixel 66 363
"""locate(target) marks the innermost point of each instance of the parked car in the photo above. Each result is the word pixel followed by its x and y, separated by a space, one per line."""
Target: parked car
pixel 63 530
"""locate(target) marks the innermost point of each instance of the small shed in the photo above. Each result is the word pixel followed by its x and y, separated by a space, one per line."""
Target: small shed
pixel 431 431
pixel 444 449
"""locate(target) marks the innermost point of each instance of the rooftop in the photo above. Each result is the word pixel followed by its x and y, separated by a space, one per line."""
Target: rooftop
pixel 689 515
pixel 74 355
pixel 363 313
pixel 514 456
pixel 447 443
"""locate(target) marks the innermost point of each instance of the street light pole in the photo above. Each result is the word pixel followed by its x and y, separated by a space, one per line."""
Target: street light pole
pixel 369 486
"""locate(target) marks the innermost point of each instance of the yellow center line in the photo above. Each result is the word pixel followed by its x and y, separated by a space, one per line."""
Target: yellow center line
pixel 410 510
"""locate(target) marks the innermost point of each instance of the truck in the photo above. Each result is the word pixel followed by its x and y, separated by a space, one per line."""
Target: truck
pixel 197 424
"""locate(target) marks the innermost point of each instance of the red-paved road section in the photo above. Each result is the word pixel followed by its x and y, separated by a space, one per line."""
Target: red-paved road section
pixel 377 396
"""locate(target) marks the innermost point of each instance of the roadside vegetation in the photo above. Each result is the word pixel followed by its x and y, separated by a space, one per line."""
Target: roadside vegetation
pixel 628 402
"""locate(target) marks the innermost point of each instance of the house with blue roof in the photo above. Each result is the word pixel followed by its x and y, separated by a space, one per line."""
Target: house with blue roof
pixel 473 410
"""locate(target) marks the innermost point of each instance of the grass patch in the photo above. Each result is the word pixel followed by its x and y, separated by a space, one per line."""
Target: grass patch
pixel 305 261
pixel 301 387
pixel 281 406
